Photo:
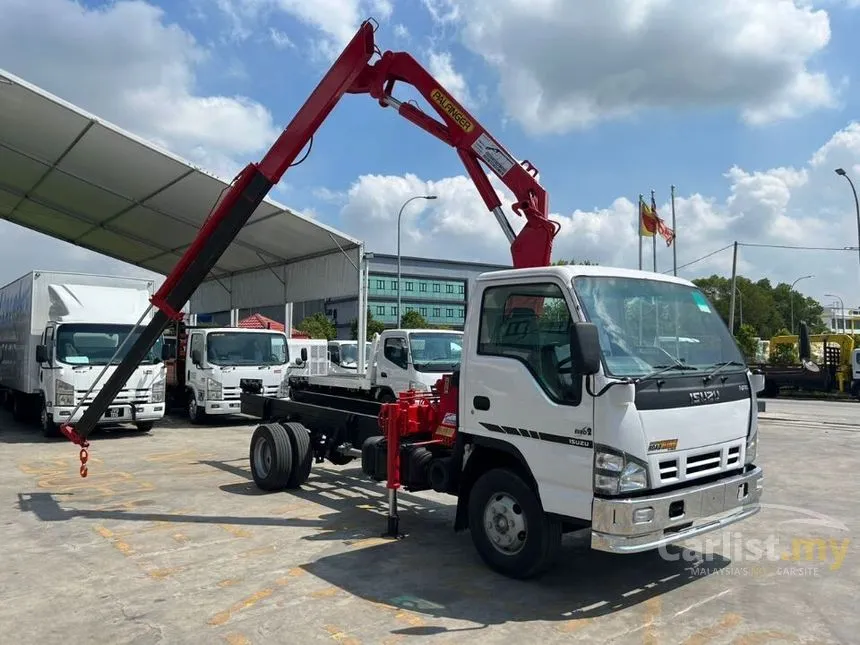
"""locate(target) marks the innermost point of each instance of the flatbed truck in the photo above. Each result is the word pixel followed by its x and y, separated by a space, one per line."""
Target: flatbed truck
pixel 564 412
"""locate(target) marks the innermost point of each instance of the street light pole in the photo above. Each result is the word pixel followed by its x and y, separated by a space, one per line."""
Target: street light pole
pixel 791 297
pixel 841 306
pixel 399 216
pixel 841 172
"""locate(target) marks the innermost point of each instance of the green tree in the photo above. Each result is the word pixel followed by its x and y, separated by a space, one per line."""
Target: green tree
pixel 373 327
pixel 318 326
pixel 784 353
pixel 413 320
pixel 566 262
pixel 747 342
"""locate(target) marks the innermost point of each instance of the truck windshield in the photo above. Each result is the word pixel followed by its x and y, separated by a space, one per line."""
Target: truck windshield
pixel 243 348
pixel 648 324
pixel 435 352
pixel 95 344
pixel 349 353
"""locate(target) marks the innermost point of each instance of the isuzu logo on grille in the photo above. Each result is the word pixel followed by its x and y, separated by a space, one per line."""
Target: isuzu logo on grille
pixel 705 396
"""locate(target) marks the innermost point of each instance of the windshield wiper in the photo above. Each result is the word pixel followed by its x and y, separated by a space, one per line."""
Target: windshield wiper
pixel 665 368
pixel 721 365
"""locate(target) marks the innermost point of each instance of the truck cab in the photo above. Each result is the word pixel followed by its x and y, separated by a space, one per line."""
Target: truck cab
pixel 648 447
pixel 71 355
pixel 413 359
pixel 343 356
pixel 217 363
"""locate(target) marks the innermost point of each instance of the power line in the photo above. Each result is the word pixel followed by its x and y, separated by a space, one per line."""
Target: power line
pixel 704 257
pixel 799 248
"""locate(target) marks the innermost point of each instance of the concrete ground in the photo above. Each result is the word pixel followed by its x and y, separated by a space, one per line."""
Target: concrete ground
pixel 168 541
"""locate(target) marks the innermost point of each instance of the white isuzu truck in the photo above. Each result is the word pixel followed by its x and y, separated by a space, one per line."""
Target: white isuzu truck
pixel 58 331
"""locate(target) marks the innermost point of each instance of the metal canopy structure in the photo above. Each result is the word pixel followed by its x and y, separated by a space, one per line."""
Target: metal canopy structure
pixel 71 175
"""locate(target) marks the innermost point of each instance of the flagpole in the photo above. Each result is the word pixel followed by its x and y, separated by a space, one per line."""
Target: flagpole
pixel 639 226
pixel 654 237
pixel 674 236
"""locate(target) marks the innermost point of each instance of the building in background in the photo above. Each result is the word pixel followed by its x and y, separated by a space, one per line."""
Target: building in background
pixel 437 289
pixel 837 324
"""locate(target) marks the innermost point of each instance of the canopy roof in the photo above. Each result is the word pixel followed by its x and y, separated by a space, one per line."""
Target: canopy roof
pixel 71 175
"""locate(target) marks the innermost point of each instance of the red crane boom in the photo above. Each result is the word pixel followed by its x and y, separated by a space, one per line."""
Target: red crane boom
pixel 351 73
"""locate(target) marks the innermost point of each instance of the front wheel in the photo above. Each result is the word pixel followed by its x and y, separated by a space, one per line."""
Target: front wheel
pixel 196 414
pixel 50 429
pixel 509 528
pixel 144 426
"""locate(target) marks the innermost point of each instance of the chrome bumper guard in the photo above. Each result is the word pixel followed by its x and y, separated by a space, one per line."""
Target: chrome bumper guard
pixel 632 525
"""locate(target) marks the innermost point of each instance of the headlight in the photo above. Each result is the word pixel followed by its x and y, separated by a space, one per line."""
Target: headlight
pixel 752 448
pixel 617 472
pixel 418 386
pixel 65 394
pixel 213 390
pixel 158 391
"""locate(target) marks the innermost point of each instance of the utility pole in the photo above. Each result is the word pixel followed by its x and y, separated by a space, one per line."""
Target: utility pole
pixel 734 288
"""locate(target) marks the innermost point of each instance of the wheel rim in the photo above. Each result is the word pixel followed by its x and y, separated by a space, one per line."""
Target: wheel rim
pixel 262 458
pixel 192 408
pixel 505 524
pixel 43 418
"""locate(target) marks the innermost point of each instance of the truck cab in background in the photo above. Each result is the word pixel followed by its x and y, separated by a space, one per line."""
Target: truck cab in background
pixel 209 367
pixel 343 356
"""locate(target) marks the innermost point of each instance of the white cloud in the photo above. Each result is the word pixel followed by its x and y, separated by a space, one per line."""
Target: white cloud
pixel 441 66
pixel 585 62
pixel 126 63
pixel 808 206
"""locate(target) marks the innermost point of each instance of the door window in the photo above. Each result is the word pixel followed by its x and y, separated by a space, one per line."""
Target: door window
pixel 396 352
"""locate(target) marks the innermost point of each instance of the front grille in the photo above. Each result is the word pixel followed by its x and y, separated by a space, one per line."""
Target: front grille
pixel 126 395
pixel 699 463
pixel 235 393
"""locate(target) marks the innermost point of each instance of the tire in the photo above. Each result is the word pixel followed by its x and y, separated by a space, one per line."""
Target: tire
pixel 50 430
pixel 502 495
pixel 271 457
pixel 195 415
pixel 387 396
pixel 301 457
pixel 144 426
pixel 338 459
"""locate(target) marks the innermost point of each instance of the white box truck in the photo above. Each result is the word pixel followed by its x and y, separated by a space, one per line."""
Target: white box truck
pixel 58 331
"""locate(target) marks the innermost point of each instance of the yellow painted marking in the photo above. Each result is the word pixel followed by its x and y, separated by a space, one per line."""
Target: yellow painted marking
pixel 222 617
pixel 570 626
pixel 180 537
pixel 328 592
pixel 764 636
pixel 361 544
pixel 236 531
pixel 237 639
pixel 296 572
pixel 708 634
pixel 118 544
pixel 653 609
pixel 229 582
pixel 340 636
pixel 161 574
pixel 411 619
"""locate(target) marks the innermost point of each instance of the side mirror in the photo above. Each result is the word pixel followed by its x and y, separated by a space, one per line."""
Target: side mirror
pixel 584 348
pixel 165 353
pixel 757 381
pixel 196 357
pixel 304 354
pixel 41 354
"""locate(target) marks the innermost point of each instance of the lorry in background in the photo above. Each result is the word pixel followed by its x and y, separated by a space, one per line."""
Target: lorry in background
pixel 58 331
pixel 399 360
pixel 343 356
pixel 208 367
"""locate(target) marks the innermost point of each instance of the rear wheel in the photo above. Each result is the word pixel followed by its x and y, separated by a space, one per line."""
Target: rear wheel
pixel 271 457
pixel 301 457
pixel 509 528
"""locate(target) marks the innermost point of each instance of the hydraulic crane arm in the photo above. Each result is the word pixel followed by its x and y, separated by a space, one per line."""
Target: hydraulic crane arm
pixel 351 73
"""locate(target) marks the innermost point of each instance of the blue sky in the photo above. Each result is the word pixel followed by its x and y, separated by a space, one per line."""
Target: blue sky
pixel 745 105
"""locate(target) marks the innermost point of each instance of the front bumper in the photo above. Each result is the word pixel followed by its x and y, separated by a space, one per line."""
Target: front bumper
pixel 117 413
pixel 223 407
pixel 620 525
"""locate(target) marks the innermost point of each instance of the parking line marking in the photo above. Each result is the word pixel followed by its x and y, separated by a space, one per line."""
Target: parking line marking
pixel 708 634
pixel 222 617
pixel 340 636
pixel 702 602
